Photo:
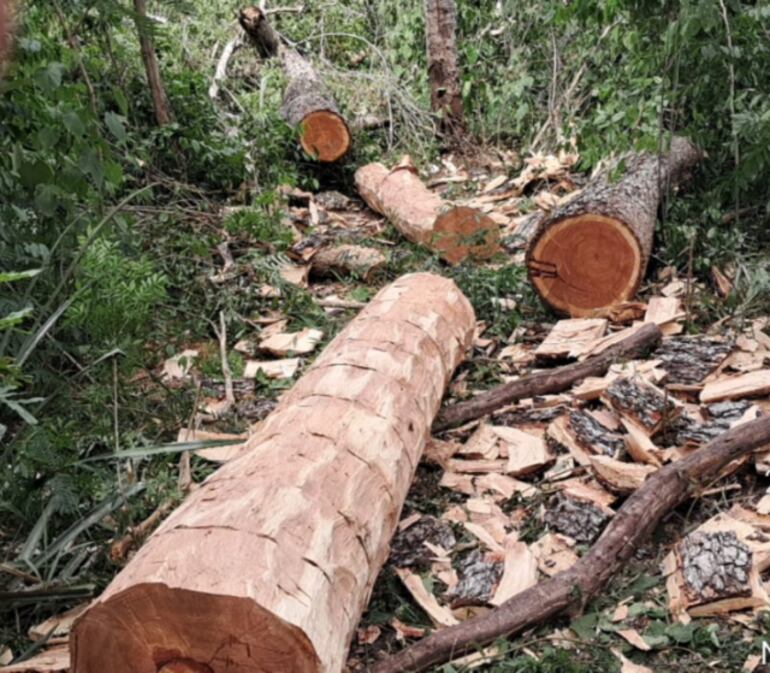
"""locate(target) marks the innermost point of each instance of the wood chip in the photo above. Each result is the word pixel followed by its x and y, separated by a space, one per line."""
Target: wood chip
pixel 751 384
pixel 272 369
pixel 526 453
pixel 55 660
pixel 217 454
pixel 404 631
pixel 620 613
pixel 438 451
pixel 554 553
pixel 662 310
pixel 287 343
pixel 633 637
pixel 454 481
pixel 618 476
pixel 628 666
pixel 504 486
pixel 642 403
pixel 368 635
pixel 294 274
pixel 56 629
pixel 559 432
pixel 639 445
pixel 440 616
pixel 519 571
pixel 569 338
pixel 178 367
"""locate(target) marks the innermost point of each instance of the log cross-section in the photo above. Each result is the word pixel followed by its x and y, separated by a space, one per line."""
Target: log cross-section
pixel 269 564
pixel 307 103
pixel 592 251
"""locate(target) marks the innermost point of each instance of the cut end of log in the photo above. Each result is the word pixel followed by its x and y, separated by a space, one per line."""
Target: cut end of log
pixel 173 630
pixel 462 232
pixel 325 136
pixel 584 263
pixel 185 666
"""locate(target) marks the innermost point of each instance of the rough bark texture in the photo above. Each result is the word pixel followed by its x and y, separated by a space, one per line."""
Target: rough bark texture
pixel 573 588
pixel 269 564
pixel 691 359
pixel 443 72
pixel 592 252
pixel 307 103
pixel 348 259
pixel 160 104
pixel 549 381
pixel 455 232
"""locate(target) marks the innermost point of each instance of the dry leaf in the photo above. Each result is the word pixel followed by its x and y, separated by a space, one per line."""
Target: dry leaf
pixel 294 274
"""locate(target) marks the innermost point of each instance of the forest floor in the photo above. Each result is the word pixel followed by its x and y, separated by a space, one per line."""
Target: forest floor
pixel 464 503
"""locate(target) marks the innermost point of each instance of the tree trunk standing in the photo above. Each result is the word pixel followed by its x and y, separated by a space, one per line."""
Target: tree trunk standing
pixel 307 103
pixel 446 98
pixel 269 564
pixel 160 104
pixel 592 252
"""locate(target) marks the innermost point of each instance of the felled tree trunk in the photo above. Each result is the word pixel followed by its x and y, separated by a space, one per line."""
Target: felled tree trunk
pixel 454 232
pixel 160 104
pixel 571 589
pixel 307 103
pixel 592 252
pixel 443 72
pixel 269 564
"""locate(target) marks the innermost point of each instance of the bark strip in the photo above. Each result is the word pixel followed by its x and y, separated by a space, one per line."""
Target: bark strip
pixel 549 381
pixel 572 589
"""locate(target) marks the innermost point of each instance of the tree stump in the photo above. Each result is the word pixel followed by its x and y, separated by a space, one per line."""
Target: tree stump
pixel 592 252
pixel 269 564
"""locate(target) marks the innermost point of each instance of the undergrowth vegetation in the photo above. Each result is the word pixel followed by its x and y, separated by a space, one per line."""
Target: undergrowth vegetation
pixel 109 225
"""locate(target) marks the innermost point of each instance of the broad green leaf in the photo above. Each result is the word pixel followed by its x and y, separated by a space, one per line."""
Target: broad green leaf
pixel 115 123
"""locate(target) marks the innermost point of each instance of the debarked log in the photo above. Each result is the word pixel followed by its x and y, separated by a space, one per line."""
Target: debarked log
pixel 270 563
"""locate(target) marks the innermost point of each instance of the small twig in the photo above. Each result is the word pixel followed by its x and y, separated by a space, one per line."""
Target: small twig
pixel 220 72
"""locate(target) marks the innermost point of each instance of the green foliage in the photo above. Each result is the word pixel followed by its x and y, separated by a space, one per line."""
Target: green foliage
pixel 115 295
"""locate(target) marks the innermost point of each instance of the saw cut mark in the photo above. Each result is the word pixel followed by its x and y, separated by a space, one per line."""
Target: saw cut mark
pixel 597 262
pixel 325 135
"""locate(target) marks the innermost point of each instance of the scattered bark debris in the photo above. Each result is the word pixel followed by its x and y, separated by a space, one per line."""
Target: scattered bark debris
pixel 642 403
pixel 578 519
pixel 715 565
pixel 479 576
pixel 592 435
pixel 691 359
pixel 407 550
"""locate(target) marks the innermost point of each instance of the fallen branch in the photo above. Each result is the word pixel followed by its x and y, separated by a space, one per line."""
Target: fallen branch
pixel 220 74
pixel 549 381
pixel 571 589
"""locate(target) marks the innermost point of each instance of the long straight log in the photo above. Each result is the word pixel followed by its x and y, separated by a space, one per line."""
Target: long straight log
pixel 307 102
pixel 592 252
pixel 269 564
pixel 573 588
pixel 454 232
pixel 549 381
